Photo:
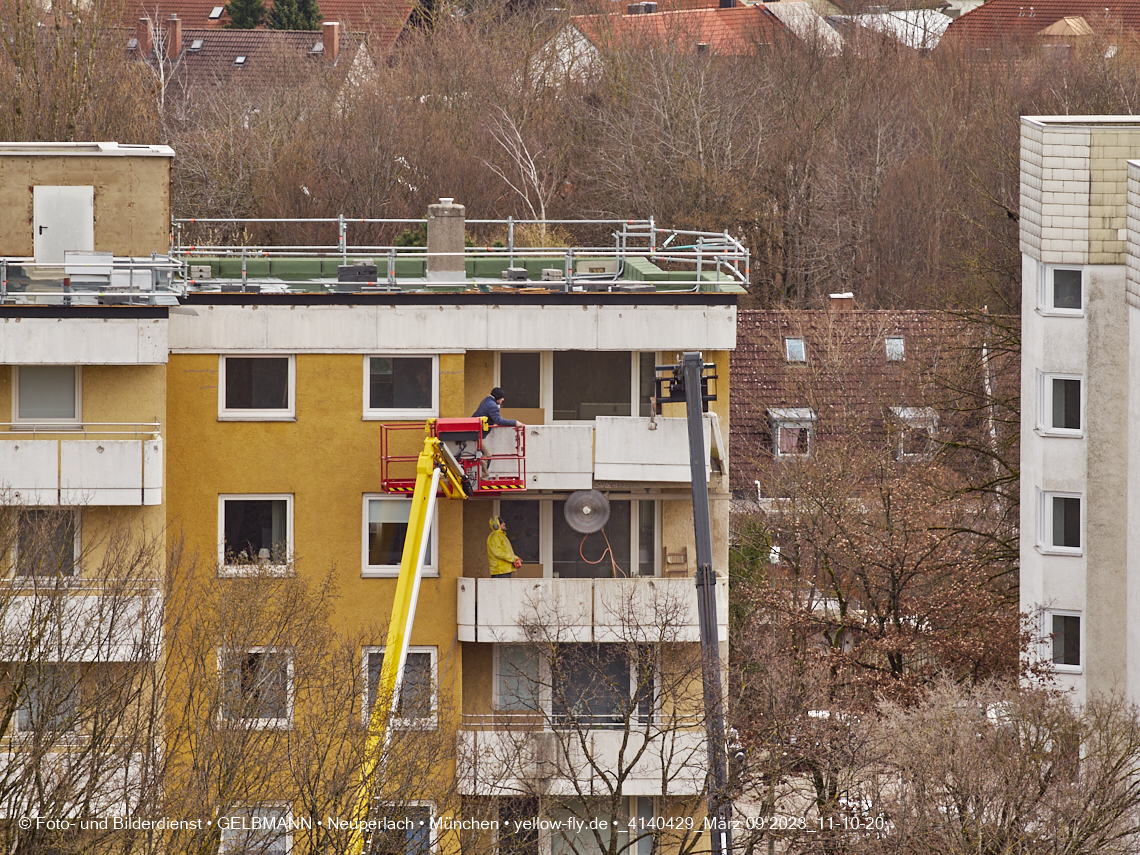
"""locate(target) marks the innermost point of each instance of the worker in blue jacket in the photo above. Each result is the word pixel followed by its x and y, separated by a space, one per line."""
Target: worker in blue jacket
pixel 490 408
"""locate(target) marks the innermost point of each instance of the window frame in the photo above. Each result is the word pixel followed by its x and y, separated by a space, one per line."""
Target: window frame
pixel 788 359
pixel 244 812
pixel 33 579
pixel 22 423
pixel 913 420
pixel 1047 636
pixel 1045 523
pixel 632 561
pixel 428 723
pixel 1045 408
pixel 382 413
pixel 1046 296
pixel 392 571
pixel 285 723
pixel 286 414
pixel 792 417
pixel 433 838
pixel 75 699
pixel 245 571
pixel 544 693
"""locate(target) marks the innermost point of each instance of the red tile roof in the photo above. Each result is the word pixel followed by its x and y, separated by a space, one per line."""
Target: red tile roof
pixel 726 31
pixel 996 21
pixel 847 380
pixel 383 20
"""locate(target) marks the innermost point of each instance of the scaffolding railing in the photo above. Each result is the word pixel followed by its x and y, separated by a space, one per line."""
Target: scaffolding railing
pixel 86 278
pixel 709 256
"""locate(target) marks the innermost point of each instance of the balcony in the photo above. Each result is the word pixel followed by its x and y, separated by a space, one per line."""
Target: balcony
pixel 617 449
pixel 62 626
pixel 90 464
pixel 667 754
pixel 642 609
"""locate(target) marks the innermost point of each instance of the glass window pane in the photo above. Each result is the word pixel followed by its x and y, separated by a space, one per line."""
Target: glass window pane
pixel 794 440
pixel 1066 521
pixel 1066 640
pixel 46 543
pixel 50 698
pixel 46 392
pixel 406 832
pixel 256 530
pixel 896 348
pixel 518 678
pixel 417 689
pixel 264 832
pixel 257 685
pixel 588 384
pixel 1067 404
pixel 646 538
pixel 257 383
pixel 387 531
pixel 591 684
pixel 1067 289
pixel 520 377
pixel 400 383
pixel 522 520
pixel 794 350
pixel 587 556
pixel 517 832
pixel 646 363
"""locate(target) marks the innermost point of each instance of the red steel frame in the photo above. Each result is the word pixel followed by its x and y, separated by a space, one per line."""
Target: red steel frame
pixel 394 466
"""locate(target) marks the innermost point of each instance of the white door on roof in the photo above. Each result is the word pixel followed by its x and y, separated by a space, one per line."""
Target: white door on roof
pixel 63 219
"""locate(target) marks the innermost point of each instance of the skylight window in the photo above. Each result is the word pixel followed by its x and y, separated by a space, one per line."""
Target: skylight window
pixel 896 348
pixel 216 12
pixel 794 350
pixel 239 60
pixel 196 44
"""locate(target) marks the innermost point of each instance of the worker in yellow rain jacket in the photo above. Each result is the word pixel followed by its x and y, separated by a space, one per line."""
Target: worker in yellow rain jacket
pixel 500 555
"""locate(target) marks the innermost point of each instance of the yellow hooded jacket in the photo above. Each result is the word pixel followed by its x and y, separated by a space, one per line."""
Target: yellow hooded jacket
pixel 500 555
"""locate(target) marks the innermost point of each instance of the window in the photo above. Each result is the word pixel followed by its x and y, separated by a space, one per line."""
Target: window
pixel 256 831
pixel 520 376
pixel 401 387
pixel 591 383
pixel 601 685
pixel 49 699
pixel 385 529
pixel 256 388
pixel 257 687
pixel 518 686
pixel 1061 404
pixel 46 394
pixel 793 431
pixel 255 533
pixel 401 830
pixel 417 703
pixel 1062 291
pixel 916 428
pixel 795 350
pixel 46 542
pixel 518 834
pixel 1061 522
pixel 1065 634
pixel 895 346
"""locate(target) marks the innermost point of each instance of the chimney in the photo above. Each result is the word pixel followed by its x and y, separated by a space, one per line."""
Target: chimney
pixel 145 38
pixel 445 233
pixel 330 37
pixel 728 4
pixel 844 302
pixel 174 38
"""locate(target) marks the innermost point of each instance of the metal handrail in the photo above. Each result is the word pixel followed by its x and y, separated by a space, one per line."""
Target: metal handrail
pixel 138 429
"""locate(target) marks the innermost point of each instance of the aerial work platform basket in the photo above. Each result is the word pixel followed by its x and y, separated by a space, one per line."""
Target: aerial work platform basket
pixel 493 461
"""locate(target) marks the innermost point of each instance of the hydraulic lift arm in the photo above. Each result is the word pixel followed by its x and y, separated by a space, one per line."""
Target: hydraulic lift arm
pixel 436 468
pixel 689 384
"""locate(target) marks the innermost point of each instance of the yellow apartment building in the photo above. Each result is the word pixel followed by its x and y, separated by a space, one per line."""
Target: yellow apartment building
pixel 273 392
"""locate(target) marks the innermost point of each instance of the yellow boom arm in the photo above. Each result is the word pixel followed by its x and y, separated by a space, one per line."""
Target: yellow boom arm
pixel 435 467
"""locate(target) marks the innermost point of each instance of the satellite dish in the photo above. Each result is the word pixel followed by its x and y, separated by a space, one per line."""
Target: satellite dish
pixel 587 511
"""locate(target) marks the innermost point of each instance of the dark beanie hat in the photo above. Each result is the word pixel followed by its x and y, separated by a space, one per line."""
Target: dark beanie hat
pixel 497 393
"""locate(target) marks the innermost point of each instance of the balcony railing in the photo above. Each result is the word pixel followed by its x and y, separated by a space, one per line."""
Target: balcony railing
pixel 90 278
pixel 640 610
pixel 81 464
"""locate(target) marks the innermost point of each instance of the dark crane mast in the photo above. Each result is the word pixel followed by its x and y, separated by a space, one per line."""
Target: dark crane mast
pixel 689 384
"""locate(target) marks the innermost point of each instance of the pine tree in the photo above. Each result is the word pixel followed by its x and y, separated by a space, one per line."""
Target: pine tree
pixel 295 15
pixel 245 14
pixel 310 14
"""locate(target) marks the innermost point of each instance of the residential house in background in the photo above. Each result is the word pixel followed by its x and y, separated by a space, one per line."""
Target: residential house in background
pixel 1052 22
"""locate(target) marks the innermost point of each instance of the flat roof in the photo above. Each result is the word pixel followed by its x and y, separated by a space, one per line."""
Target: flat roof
pixel 84 149
pixel 1083 121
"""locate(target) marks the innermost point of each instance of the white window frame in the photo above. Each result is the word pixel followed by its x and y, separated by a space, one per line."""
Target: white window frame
pixel 901 351
pixel 238 571
pixel 792 417
pixel 429 723
pixel 286 414
pixel 244 812
pixel 1045 296
pixel 380 413
pixel 1045 523
pixel 66 423
pixel 1045 410
pixel 1047 637
pixel 285 723
pixel 391 571
pixel 631 562
pixel 788 339
pixel 32 580
pixel 433 838
pixel 914 419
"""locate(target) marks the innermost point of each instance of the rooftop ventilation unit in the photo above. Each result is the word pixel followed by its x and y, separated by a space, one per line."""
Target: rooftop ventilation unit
pixel 216 12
